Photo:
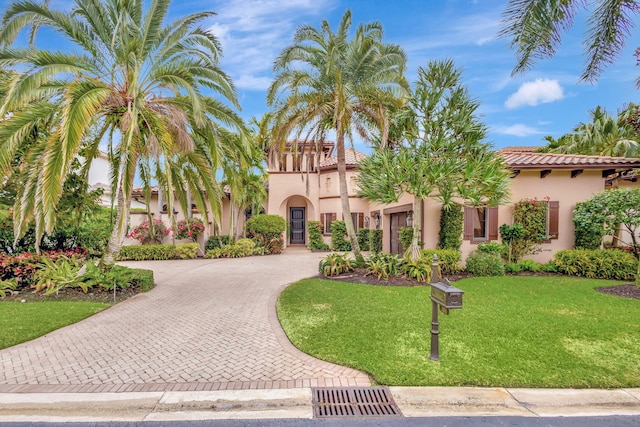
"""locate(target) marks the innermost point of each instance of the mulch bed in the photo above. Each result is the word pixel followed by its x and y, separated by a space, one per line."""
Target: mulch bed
pixel 626 291
pixel 360 275
pixel 74 294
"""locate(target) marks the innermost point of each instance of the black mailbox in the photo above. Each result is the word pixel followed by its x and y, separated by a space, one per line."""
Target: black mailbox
pixel 446 295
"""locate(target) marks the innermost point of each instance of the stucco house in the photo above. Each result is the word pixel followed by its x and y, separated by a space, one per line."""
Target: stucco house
pixel 303 186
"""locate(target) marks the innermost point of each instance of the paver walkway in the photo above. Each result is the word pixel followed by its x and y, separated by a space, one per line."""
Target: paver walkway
pixel 208 325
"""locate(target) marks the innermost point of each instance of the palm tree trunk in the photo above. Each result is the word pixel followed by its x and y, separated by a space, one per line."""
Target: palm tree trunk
pixel 417 226
pixel 116 240
pixel 344 196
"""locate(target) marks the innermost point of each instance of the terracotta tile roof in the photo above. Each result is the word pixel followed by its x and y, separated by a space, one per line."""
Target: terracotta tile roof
pixel 520 149
pixel 522 159
pixel 352 158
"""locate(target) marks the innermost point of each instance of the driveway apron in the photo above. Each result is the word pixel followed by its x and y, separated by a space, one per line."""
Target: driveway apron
pixel 208 325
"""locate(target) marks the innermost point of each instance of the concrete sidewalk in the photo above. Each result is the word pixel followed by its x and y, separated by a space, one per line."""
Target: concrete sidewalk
pixel 296 403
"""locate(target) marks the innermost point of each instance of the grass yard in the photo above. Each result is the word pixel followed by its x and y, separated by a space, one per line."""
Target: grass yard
pixel 512 332
pixel 20 322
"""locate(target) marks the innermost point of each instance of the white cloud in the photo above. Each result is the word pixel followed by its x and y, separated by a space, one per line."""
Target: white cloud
pixel 253 32
pixel 519 129
pixel 540 91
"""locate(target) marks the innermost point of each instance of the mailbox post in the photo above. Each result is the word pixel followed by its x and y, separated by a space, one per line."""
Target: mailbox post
pixel 443 297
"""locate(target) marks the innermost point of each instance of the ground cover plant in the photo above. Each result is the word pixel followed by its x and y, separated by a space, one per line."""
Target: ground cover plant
pixel 512 332
pixel 21 322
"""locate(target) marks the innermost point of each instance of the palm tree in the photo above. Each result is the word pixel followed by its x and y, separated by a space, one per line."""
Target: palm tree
pixel 148 88
pixel 604 136
pixel 327 81
pixel 535 28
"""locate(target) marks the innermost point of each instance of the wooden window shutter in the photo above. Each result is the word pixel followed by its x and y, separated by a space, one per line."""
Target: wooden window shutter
pixel 322 222
pixel 468 223
pixel 360 220
pixel 554 216
pixel 492 223
pixel 333 217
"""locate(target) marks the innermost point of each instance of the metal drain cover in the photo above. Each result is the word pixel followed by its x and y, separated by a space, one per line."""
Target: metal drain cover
pixel 344 402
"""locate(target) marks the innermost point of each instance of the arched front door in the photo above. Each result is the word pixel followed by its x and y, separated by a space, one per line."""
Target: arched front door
pixel 297 216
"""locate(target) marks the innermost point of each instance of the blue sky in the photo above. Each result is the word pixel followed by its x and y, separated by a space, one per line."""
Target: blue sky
pixel 548 100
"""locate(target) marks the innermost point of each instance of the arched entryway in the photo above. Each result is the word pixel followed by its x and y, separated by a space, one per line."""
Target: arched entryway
pixel 297 211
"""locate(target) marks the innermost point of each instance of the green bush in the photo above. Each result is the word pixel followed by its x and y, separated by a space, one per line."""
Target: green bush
pixel 597 264
pixel 494 247
pixel 549 267
pixel 485 264
pixel 383 265
pixel 364 239
pixel 448 259
pixel 119 276
pixel 375 241
pixel 529 265
pixel 147 252
pixel 315 236
pixel 186 250
pixel 242 248
pixel 512 268
pixel 266 230
pixel 450 236
pixel 338 237
pixel 334 264
pixel 419 270
pixel 214 242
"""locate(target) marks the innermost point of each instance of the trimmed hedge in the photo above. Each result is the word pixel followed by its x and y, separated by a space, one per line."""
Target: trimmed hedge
pixel 158 252
pixel 215 242
pixel 363 239
pixel 597 264
pixel 315 236
pixel 339 242
pixel 375 240
pixel 485 264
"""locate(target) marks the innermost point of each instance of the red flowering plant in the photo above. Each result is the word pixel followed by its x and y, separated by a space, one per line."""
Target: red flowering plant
pixel 149 235
pixel 189 229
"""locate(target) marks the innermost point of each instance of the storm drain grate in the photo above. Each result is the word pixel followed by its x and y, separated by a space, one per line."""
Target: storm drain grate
pixel 354 402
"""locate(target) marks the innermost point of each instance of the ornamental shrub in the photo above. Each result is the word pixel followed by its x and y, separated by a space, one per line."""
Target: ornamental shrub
pixel 494 247
pixel 187 250
pixel 214 242
pixel 597 264
pixel 450 235
pixel 242 248
pixel 485 264
pixel 147 252
pixel 266 230
pixel 448 259
pixel 529 228
pixel 405 236
pixel 375 241
pixel 383 265
pixel 315 236
pixel 334 264
pixel 364 239
pixel 189 228
pixel 150 235
pixel 338 237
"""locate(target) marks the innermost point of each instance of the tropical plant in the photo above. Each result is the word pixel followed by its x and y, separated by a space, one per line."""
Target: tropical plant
pixel 142 85
pixel 604 136
pixel 266 230
pixel 535 28
pixel 334 264
pixel 52 276
pixel 436 150
pixel 188 228
pixel 609 212
pixel 329 81
pixel 7 286
pixel 383 265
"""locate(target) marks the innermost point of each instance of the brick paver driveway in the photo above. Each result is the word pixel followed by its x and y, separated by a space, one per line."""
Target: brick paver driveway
pixel 208 325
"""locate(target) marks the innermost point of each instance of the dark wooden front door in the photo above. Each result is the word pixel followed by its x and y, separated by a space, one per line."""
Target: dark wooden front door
pixel 398 221
pixel 297 225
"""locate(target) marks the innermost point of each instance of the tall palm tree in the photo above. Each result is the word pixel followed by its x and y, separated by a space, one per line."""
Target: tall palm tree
pixel 535 28
pixel 146 85
pixel 326 81
pixel 604 135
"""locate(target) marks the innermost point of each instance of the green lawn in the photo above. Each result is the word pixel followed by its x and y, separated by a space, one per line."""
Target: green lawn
pixel 20 322
pixel 512 332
